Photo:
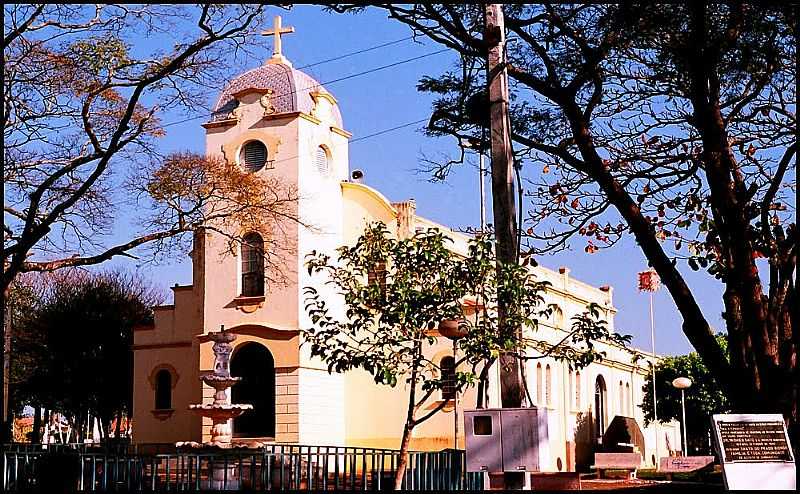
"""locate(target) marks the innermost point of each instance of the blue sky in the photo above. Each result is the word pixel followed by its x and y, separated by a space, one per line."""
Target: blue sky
pixel 388 98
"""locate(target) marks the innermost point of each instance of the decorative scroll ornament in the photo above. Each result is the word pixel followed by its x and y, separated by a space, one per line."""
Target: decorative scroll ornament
pixel 266 102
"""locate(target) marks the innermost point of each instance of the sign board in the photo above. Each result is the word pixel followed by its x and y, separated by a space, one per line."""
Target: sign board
pixel 755 452
pixel 684 464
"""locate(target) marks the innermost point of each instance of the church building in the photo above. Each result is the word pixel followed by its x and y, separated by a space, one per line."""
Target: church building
pixel 276 120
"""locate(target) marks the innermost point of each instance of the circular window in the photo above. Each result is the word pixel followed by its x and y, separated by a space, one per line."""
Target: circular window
pixel 253 156
pixel 322 161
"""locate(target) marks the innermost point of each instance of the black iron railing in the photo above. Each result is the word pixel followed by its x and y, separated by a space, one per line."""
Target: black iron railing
pixel 274 467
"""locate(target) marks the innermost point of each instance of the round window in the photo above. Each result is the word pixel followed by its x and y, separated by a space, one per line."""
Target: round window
pixel 253 156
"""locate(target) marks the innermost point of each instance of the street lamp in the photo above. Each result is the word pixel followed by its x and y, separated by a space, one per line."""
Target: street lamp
pixel 476 145
pixel 683 383
pixel 454 330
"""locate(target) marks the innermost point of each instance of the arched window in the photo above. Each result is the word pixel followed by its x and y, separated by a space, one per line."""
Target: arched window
pixel 252 265
pixel 628 400
pixel 539 379
pixel 621 408
pixel 600 411
pixel 548 390
pixel 448 368
pixel 321 161
pixel 578 390
pixel 558 317
pixel 571 390
pixel 253 156
pixel 163 390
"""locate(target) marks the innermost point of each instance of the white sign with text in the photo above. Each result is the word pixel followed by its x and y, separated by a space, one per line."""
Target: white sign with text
pixel 755 452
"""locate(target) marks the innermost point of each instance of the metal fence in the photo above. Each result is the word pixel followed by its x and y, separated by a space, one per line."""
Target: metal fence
pixel 274 467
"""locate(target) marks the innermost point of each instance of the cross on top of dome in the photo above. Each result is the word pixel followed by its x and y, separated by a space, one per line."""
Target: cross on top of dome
pixel 277 30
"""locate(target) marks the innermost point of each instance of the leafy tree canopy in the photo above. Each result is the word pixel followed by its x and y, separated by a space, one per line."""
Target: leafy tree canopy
pixel 397 291
pixel 704 398
pixel 673 123
pixel 73 348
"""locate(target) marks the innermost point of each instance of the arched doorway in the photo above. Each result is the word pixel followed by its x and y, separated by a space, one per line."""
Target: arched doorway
pixel 600 411
pixel 256 366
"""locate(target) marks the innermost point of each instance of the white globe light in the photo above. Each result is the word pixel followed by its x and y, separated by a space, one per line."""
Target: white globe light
pixel 682 383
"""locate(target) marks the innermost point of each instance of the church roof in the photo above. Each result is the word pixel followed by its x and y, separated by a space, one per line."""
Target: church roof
pixel 291 88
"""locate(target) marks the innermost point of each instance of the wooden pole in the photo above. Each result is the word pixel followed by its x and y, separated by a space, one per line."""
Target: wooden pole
pixel 503 197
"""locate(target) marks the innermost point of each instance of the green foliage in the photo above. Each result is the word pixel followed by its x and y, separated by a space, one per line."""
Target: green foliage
pixel 385 326
pixel 703 399
pixel 578 347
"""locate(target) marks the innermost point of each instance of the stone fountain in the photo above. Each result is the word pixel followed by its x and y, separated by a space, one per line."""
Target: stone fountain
pixel 221 411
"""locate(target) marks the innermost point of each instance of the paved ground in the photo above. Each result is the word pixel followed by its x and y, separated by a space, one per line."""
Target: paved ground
pixel 647 486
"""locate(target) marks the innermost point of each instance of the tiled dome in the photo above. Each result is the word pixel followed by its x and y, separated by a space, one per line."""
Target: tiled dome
pixel 291 90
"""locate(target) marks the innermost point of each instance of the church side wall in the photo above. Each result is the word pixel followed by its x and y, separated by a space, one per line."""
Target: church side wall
pixel 181 424
pixel 169 344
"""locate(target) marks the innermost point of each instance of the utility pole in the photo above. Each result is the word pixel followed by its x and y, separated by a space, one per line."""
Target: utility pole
pixel 504 211
pixel 5 432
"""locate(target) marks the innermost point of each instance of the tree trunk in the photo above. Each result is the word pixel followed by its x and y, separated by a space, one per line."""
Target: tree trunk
pixel 37 424
pixel 5 338
pixel 402 462
pixel 118 427
pixel 46 432
pixel 483 383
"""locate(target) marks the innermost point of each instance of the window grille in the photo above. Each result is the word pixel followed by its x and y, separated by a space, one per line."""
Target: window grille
pixel 448 368
pixel 539 379
pixel 322 161
pixel 252 265
pixel 253 156
pixel 548 386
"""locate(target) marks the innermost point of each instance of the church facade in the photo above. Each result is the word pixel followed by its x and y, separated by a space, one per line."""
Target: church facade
pixel 277 120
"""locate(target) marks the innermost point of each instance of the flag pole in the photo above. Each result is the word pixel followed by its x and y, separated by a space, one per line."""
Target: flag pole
pixel 649 281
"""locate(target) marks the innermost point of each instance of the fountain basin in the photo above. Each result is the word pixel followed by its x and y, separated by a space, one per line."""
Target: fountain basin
pixel 217 381
pixel 215 410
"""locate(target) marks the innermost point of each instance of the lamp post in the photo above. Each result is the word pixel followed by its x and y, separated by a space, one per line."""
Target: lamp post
pixel 683 383
pixel 472 144
pixel 649 281
pixel 454 330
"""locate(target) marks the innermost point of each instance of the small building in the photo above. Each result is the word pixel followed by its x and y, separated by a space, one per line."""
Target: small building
pixel 277 121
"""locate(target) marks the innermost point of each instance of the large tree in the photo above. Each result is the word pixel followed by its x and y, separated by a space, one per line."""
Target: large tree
pixel 672 123
pixel 85 91
pixel 397 292
pixel 73 346
pixel 84 100
pixel 703 399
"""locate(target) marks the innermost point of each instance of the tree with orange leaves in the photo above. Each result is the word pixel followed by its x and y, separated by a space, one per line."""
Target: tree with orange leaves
pixel 83 97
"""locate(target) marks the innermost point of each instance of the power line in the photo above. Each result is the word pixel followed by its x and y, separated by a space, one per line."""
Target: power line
pixel 356 53
pixel 333 81
pixel 380 132
pixel 368 136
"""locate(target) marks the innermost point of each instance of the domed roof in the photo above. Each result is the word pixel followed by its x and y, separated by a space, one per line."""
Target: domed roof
pixel 291 90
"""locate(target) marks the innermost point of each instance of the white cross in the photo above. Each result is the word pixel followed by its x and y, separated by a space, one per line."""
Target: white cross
pixel 276 31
